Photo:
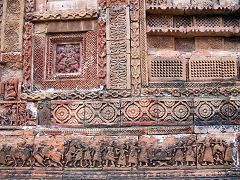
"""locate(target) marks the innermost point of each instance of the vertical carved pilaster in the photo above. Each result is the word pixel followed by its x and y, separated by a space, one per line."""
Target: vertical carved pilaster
pixel 27 55
pixel 13 12
pixel 135 46
pixel 143 47
pixel 102 43
pixel 118 43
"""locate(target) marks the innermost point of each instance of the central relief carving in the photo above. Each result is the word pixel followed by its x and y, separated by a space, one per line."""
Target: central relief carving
pixel 67 58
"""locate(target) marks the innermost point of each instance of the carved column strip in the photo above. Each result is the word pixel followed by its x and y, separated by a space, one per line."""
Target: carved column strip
pixel 143 46
pixel 135 46
pixel 12 30
pixel 102 43
pixel 27 55
pixel 1 13
pixel 118 46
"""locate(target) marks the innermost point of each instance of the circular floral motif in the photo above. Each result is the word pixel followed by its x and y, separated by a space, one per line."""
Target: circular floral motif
pixel 80 113
pixel 13 6
pixel 88 115
pixel 181 112
pixel 62 114
pixel 11 36
pixel 157 111
pixel 228 110
pixel 133 111
pixel 205 111
pixel 108 113
pixel 85 113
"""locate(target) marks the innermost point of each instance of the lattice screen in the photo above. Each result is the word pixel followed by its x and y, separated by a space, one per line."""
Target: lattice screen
pixel 212 68
pixel 167 69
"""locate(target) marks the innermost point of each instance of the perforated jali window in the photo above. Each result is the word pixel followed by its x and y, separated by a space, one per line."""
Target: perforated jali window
pixel 162 69
pixel 212 68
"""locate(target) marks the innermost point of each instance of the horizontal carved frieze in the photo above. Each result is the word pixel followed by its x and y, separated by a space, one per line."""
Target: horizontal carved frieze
pixel 124 112
pixel 192 24
pixel 69 15
pixel 120 153
pixel 37 96
pixel 194 4
pixel 141 112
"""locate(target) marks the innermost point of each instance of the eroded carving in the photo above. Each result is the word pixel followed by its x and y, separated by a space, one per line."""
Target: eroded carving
pixel 67 58
pixel 16 114
pixel 12 89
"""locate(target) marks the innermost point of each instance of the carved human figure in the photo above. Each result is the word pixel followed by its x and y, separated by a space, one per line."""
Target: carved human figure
pixel 88 157
pixel 71 147
pixel 97 157
pixel 143 156
pixel 218 152
pixel 122 161
pixel 11 89
pixel 22 114
pixel 110 156
pixel 228 154
pixel 190 155
pixel 13 115
pixel 133 155
pixel 79 157
pixel 179 156
pixel 207 153
pixel 151 154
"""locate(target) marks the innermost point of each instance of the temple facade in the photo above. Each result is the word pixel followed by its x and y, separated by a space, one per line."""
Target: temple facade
pixel 120 89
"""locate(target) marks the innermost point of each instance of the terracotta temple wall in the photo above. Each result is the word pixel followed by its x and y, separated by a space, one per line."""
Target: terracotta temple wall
pixel 119 89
